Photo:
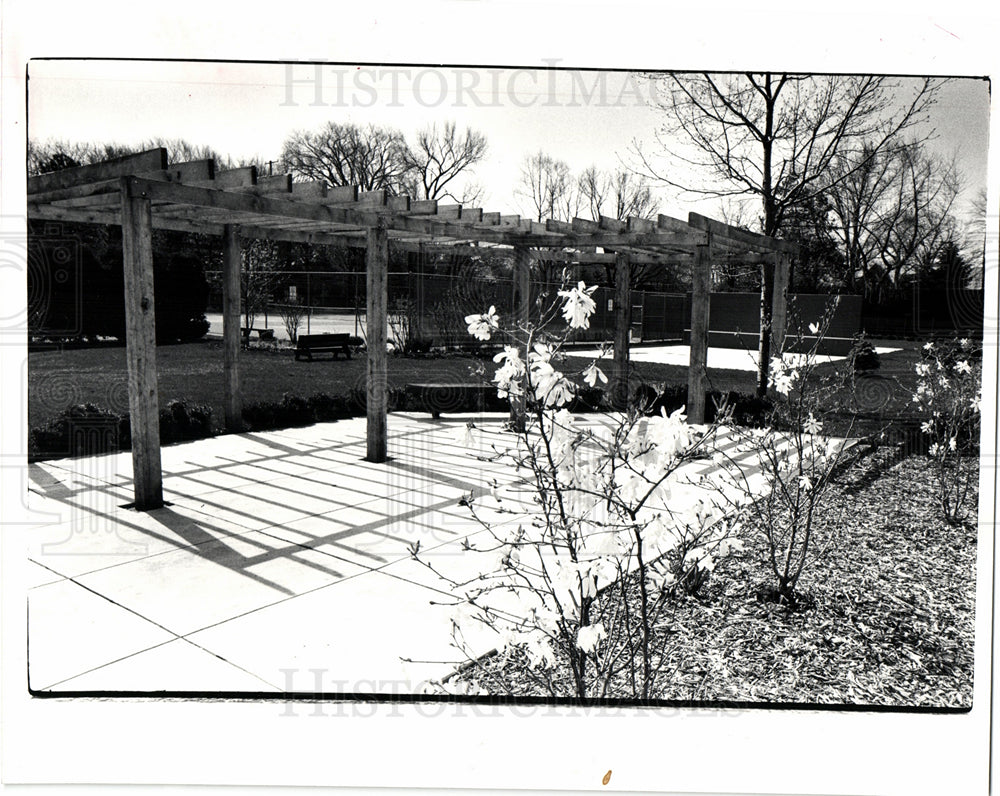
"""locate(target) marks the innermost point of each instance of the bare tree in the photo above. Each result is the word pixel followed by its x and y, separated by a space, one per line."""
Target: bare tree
pixel 620 194
pixel 893 213
pixel 975 235
pixel 774 138
pixel 547 186
pixel 260 276
pixel 440 156
pixel 369 156
pixel 473 194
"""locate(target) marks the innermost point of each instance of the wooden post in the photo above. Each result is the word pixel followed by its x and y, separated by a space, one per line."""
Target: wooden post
pixel 140 348
pixel 522 320
pixel 767 269
pixel 377 267
pixel 623 325
pixel 701 298
pixel 231 327
pixel 779 307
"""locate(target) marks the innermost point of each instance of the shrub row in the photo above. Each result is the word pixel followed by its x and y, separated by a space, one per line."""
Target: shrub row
pixel 747 409
pixel 88 429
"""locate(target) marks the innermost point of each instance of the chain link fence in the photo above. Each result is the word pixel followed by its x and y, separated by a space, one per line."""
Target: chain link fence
pixel 427 310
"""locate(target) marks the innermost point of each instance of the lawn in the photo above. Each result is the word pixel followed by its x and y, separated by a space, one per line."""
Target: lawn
pixel 193 373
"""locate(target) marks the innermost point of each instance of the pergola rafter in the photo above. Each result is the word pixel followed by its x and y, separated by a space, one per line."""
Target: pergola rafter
pixel 144 192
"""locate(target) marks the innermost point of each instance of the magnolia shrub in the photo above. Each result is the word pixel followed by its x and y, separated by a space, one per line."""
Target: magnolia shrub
pixel 574 578
pixel 949 392
pixel 777 476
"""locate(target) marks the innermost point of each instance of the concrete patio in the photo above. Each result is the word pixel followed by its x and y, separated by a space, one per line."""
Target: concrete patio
pixel 281 562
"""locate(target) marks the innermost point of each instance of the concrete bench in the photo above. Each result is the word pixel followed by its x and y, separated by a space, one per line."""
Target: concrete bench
pixel 262 334
pixel 449 397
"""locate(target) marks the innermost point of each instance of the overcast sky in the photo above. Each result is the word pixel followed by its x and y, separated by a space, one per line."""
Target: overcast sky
pixel 247 110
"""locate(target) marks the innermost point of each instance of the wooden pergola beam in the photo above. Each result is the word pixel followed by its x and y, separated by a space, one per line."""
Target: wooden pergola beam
pixel 779 306
pixel 105 192
pixel 522 321
pixel 376 328
pixel 740 236
pixel 231 268
pixel 623 326
pixel 701 297
pixel 259 207
pixel 768 270
pixel 153 160
pixel 140 348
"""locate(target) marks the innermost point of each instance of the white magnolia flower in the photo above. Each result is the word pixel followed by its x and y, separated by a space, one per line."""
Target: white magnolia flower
pixel 482 326
pixel 814 328
pixel 927 426
pixel 812 425
pixel 579 305
pixel 962 367
pixel 540 351
pixel 699 558
pixel 934 449
pixel 805 483
pixel 966 343
pixel 593 374
pixel 952 444
pixel 550 386
pixel 669 433
pixel 783 383
pixel 796 360
pixel 660 578
pixel 923 369
pixel 509 355
pixel 508 557
pixel 589 636
pixel 553 389
pixel 508 376
pixel 928 346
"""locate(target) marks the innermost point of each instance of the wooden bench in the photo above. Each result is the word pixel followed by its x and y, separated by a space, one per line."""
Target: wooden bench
pixel 309 344
pixel 449 397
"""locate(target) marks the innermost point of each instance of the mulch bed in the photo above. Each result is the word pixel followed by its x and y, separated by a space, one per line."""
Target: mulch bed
pixel 885 617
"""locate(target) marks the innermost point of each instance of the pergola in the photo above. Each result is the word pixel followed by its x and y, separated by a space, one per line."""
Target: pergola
pixel 142 192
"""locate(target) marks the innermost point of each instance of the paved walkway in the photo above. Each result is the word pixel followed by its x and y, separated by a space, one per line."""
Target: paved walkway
pixel 281 562
pixel 718 358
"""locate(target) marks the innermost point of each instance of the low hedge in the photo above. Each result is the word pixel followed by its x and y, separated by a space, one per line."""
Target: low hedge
pixel 88 429
pixel 748 409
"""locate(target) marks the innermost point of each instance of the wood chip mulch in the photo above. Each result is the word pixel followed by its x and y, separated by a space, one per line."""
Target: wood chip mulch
pixel 885 617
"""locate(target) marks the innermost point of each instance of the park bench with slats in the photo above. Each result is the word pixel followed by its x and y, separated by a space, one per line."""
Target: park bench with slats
pixel 308 344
